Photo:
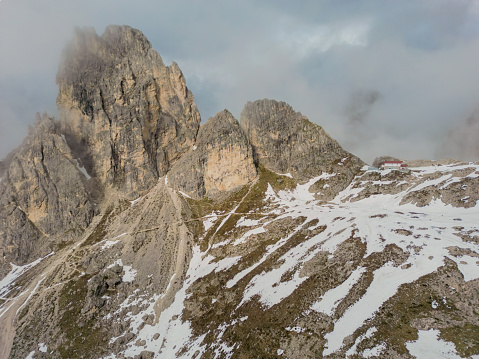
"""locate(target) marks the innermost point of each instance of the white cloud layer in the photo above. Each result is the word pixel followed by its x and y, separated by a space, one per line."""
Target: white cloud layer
pixel 317 39
pixel 322 57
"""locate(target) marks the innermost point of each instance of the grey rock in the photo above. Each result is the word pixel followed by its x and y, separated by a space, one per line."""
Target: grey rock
pixel 220 161
pixel 112 276
pixel 124 113
pixel 6 161
pixel 3 167
pixel 285 141
pixel 42 194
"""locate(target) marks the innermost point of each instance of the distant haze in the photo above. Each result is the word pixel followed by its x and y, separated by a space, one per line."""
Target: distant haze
pixel 393 78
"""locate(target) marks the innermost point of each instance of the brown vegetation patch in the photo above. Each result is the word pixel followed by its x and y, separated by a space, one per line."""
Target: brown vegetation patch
pixel 404 232
pixel 378 216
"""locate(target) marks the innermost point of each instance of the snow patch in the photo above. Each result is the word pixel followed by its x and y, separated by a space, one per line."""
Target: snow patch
pixel 468 266
pixel 209 221
pixel 82 169
pixel 429 346
pixel 130 272
pixel 42 347
pixel 135 201
pixel 184 194
pixel 369 333
pixel 245 222
pixel 285 174
pixel 109 244
pixel 333 297
pixel 295 329
pixel 374 352
pixel 342 161
pixel 270 194
pixel 16 272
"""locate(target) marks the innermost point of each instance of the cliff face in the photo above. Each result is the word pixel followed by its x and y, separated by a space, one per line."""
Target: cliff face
pixel 285 141
pixel 42 194
pixel 123 112
pixel 220 161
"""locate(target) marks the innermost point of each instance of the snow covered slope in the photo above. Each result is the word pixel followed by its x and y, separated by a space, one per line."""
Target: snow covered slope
pixel 389 268
pixel 348 263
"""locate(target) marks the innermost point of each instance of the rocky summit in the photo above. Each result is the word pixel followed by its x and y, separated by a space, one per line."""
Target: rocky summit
pixel 126 115
pixel 130 230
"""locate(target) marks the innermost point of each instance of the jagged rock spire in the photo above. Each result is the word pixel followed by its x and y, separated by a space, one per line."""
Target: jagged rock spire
pixel 220 161
pixel 285 141
pixel 126 115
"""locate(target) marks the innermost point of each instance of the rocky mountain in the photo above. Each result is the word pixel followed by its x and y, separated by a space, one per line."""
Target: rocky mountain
pixel 220 161
pixel 287 142
pixel 129 230
pixel 126 115
pixel 42 195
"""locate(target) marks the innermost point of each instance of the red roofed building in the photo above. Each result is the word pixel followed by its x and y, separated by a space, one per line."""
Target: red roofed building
pixel 393 165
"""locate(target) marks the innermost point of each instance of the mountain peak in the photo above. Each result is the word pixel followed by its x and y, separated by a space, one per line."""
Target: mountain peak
pixel 126 39
pixel 285 141
pixel 126 114
pixel 220 161
pixel 127 229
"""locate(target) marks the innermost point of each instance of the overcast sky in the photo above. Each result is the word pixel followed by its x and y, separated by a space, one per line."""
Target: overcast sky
pixel 382 77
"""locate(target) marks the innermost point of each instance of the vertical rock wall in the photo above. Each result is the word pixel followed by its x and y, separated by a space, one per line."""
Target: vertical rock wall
pixel 127 115
pixel 220 161
pixel 42 194
pixel 285 141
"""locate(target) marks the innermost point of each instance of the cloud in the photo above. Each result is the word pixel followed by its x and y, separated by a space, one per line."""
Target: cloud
pixel 305 41
pixel 326 58
pixel 360 104
pixel 462 140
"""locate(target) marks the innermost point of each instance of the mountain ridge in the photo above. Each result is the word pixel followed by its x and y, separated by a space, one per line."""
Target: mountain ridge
pixel 130 230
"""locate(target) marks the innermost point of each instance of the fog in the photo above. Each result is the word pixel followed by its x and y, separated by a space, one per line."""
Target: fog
pixel 382 77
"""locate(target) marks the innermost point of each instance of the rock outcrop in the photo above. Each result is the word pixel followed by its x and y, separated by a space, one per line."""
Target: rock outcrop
pixel 124 113
pixel 220 161
pixel 285 141
pixel 42 194
pixel 136 249
pixel 3 167
pixel 6 162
